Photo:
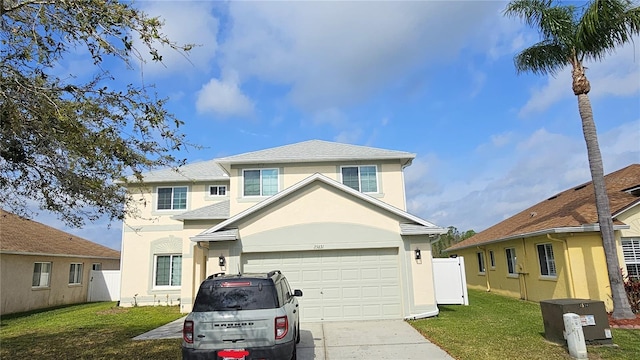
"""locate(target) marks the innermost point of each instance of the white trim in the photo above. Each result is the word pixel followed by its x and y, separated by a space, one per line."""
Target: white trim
pixel 226 191
pixel 155 272
pixel 315 177
pixel 77 275
pixel 629 207
pixel 58 255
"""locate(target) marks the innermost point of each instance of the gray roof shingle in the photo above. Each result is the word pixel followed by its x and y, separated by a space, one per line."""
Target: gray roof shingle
pixel 216 211
pixel 200 171
pixel 317 150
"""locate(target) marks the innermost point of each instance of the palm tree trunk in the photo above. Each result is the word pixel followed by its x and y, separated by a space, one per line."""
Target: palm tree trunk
pixel 621 307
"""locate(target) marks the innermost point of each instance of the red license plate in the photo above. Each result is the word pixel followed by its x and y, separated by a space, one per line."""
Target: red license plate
pixel 233 354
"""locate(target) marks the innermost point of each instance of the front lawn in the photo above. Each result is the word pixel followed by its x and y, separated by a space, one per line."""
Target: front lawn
pixel 498 327
pixel 87 331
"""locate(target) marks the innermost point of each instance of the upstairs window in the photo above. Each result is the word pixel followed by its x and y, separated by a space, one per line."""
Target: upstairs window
pixel 631 252
pixel 511 261
pixel 217 190
pixel 75 274
pixel 260 182
pixel 361 178
pixel 172 198
pixel 547 261
pixel 41 275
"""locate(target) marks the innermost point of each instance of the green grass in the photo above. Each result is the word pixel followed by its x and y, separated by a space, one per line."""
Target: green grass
pixel 498 327
pixel 87 331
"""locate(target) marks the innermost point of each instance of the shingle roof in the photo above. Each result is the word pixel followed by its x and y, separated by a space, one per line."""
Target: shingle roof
pixel 316 150
pixel 200 171
pixel 571 208
pixel 20 235
pixel 216 211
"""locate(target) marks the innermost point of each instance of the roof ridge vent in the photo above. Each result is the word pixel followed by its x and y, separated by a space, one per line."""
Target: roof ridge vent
pixel 580 187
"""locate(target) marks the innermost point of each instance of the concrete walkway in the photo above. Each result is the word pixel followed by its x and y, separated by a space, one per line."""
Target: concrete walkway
pixel 382 339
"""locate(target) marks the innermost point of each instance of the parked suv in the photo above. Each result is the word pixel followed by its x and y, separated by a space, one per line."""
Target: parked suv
pixel 243 316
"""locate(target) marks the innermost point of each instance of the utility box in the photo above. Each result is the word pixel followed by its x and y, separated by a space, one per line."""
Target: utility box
pixel 593 317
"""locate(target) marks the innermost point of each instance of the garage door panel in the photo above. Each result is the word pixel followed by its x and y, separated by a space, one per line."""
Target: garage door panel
pixel 338 284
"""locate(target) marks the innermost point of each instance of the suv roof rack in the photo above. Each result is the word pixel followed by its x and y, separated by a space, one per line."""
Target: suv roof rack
pixel 215 275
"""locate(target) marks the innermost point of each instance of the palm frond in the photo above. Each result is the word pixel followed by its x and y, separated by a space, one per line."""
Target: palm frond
pixel 545 57
pixel 604 25
pixel 552 21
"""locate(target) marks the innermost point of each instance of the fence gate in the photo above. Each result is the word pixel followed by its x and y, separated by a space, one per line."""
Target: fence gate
pixel 450 281
pixel 104 285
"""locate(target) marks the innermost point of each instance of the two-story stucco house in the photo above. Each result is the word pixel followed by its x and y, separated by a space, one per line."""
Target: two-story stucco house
pixel 332 217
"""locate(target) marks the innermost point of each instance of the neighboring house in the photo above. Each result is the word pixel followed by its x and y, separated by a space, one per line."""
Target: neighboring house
pixel 43 267
pixel 332 217
pixel 554 250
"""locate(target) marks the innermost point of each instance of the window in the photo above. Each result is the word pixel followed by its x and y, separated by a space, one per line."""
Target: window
pixel 361 178
pixel 511 261
pixel 631 252
pixel 168 270
pixel 217 190
pixel 547 262
pixel 263 182
pixel 172 198
pixel 41 274
pixel 96 266
pixel 75 274
pixel 492 259
pixel 481 268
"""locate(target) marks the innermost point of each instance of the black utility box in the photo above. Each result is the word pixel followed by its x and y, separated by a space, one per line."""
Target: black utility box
pixel 595 323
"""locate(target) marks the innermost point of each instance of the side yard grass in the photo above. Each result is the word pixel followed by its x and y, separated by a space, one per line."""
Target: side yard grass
pixel 498 327
pixel 87 331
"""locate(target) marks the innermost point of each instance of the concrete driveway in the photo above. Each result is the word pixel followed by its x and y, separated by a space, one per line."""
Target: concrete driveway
pixel 381 339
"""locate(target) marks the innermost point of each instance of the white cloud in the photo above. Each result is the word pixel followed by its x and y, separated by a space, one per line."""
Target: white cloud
pixel 185 22
pixel 534 168
pixel 224 97
pixel 332 54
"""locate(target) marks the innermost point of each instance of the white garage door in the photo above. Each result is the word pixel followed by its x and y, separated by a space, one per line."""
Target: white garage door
pixel 338 284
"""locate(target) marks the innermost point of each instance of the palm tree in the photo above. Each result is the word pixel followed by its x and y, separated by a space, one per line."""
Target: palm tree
pixel 571 35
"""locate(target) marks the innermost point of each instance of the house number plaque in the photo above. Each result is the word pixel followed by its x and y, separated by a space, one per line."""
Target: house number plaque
pixel 318 246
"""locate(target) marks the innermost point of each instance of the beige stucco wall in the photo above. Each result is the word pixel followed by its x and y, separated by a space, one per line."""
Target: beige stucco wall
pixel 16 274
pixel 390 181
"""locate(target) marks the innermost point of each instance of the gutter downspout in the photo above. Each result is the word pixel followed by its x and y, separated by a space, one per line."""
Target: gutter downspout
pixel 486 272
pixel 567 261
pixel 523 274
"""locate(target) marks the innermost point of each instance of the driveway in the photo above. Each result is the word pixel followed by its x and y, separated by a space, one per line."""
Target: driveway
pixel 382 339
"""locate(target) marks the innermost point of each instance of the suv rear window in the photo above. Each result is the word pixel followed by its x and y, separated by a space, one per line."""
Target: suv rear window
pixel 228 296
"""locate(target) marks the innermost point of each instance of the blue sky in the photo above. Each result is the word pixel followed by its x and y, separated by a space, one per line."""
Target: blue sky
pixel 435 78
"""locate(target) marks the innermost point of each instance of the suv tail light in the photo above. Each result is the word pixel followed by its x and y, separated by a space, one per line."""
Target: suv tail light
pixel 282 327
pixel 187 331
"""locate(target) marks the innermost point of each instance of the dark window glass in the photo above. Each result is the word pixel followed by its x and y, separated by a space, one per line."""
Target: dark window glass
pixel 254 297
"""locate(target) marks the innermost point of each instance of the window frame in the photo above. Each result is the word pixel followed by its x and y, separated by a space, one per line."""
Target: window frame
pixel 360 180
pixel 75 273
pixel 550 262
pixel 492 259
pixel 260 182
pixel 218 187
pixel 631 254
pixel 40 276
pixel 170 286
pixel 482 268
pixel 512 259
pixel 96 266
pixel 172 206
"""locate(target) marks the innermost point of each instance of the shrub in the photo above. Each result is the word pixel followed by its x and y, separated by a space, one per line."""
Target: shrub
pixel 632 287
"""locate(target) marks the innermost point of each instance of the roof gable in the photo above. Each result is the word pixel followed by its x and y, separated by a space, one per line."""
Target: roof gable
pixel 425 226
pixel 23 236
pixel 317 150
pixel 574 208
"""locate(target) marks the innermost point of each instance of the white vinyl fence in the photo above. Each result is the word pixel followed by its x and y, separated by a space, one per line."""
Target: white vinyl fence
pixel 450 281
pixel 104 285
